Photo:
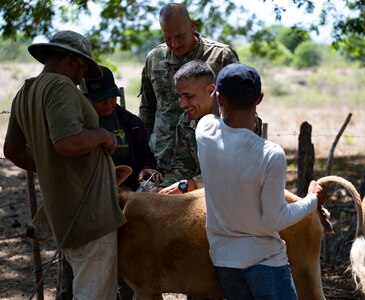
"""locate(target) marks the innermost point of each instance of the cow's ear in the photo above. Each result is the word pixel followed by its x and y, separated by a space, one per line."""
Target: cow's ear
pixel 122 173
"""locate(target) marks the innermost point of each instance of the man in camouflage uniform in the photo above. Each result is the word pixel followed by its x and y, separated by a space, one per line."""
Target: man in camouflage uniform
pixel 159 108
pixel 194 84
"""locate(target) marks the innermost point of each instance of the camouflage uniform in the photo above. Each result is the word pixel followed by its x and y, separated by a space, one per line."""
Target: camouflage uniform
pixel 159 108
pixel 185 164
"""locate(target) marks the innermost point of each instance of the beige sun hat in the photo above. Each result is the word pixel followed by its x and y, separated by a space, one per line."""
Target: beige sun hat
pixel 71 42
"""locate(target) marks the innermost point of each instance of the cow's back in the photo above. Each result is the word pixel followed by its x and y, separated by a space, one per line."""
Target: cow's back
pixel 169 238
pixel 164 248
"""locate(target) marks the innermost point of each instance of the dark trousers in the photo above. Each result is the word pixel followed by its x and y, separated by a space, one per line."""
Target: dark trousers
pixel 65 277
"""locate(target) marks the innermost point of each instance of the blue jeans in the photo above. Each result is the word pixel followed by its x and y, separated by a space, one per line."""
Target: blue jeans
pixel 257 282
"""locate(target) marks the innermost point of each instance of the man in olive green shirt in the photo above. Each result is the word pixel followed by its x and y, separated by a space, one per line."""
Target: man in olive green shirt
pixel 53 130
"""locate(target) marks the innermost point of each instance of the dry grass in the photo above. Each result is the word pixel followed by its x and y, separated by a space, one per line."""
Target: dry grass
pixel 322 97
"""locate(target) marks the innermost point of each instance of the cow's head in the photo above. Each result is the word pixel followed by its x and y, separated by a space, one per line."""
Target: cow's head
pixel 122 173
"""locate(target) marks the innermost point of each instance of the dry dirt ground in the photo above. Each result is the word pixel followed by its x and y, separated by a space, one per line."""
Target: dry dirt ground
pixel 16 265
pixel 17 270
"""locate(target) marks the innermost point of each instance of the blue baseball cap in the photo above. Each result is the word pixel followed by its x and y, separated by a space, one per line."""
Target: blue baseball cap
pixel 230 81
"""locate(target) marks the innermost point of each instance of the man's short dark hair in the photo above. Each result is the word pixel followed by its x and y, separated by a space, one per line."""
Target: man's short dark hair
pixel 194 69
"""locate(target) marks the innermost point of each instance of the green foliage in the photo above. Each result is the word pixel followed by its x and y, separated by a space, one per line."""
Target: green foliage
pixel 292 165
pixel 307 55
pixel 333 58
pixel 292 37
pixel 348 138
pixel 264 44
pixel 30 17
pixel 126 24
pixel 284 57
pixel 353 48
pixel 349 32
pixel 275 44
pixel 15 51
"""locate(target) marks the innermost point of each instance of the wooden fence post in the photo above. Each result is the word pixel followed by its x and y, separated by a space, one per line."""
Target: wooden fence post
pixel 122 98
pixel 35 245
pixel 305 159
pixel 264 130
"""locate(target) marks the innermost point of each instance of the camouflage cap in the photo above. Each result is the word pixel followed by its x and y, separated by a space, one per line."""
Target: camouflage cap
pixel 71 42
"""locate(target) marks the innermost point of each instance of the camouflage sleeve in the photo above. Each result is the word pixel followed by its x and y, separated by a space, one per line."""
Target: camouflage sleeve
pixel 229 56
pixel 183 165
pixel 147 108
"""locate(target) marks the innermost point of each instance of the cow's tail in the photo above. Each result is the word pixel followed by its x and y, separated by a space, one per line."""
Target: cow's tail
pixel 357 258
pixel 357 253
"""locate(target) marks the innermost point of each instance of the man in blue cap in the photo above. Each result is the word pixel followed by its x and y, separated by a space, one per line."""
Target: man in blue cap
pixel 244 177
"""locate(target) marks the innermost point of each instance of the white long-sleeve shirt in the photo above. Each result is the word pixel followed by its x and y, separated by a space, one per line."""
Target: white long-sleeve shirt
pixel 244 178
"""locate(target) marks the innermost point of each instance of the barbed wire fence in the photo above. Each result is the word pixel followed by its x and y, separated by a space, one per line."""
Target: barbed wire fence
pixel 294 135
pixel 31 201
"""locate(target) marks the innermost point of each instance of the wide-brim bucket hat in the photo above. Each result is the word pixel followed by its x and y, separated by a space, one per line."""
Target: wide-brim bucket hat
pixel 70 42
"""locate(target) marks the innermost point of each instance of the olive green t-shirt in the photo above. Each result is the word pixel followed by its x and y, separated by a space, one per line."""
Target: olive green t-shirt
pixel 49 108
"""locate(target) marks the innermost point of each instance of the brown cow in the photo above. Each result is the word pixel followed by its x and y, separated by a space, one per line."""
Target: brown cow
pixel 164 248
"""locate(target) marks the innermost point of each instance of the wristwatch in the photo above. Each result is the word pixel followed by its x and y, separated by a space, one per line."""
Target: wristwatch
pixel 183 186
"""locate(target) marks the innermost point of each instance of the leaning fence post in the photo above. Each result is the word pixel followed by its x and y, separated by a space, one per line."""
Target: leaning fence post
pixel 325 244
pixel 334 144
pixel 35 245
pixel 305 159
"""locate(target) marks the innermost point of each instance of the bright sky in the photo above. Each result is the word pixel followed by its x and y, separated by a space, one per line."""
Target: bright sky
pixel 294 15
pixel 263 10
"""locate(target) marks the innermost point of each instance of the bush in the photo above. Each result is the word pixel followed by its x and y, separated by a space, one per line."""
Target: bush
pixel 283 57
pixel 307 55
pixel 15 51
pixel 292 37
